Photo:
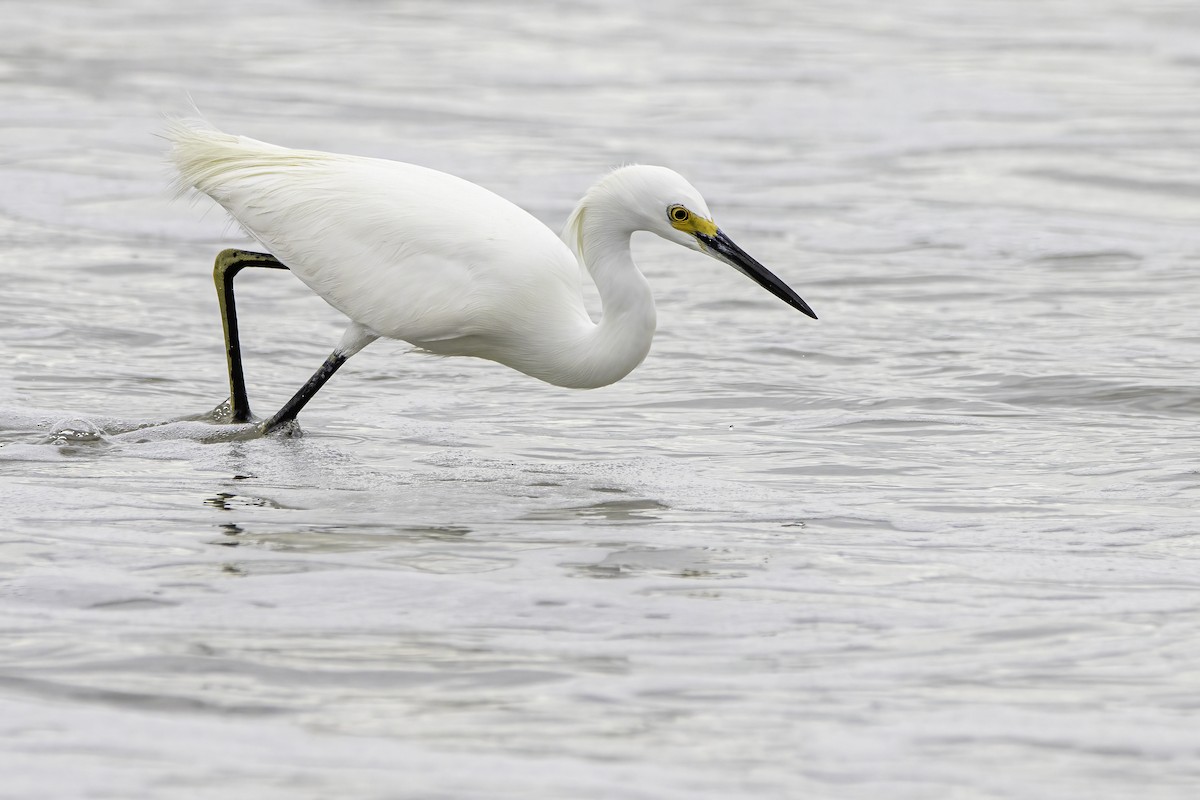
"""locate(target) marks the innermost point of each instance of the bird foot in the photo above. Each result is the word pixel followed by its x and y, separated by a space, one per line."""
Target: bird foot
pixel 222 414
pixel 288 430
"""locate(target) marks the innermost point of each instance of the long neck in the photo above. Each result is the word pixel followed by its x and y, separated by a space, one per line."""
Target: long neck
pixel 599 233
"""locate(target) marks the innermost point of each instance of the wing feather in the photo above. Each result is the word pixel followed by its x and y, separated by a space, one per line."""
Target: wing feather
pixel 410 252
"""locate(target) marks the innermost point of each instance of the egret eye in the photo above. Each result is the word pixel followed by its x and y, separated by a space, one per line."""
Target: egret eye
pixel 678 213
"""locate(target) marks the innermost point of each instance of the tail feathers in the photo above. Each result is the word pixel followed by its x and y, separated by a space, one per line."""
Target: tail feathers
pixel 207 158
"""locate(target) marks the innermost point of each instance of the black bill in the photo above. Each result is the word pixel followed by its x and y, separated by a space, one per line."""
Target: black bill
pixel 723 248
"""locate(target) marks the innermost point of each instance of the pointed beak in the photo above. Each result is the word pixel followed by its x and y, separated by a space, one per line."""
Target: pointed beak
pixel 722 247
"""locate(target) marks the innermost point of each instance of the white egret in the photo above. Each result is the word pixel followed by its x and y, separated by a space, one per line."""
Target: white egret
pixel 415 254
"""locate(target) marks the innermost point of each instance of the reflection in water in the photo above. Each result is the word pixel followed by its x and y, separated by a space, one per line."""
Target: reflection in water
pixel 227 501
pixel 333 538
pixel 610 510
pixel 675 563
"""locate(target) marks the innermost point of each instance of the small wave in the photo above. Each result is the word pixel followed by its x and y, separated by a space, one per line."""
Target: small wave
pixel 72 432
pixel 1057 391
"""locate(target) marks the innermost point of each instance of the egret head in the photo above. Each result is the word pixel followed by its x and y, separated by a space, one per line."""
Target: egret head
pixel 669 206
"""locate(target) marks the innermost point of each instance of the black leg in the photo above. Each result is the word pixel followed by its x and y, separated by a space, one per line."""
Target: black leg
pixel 292 407
pixel 229 263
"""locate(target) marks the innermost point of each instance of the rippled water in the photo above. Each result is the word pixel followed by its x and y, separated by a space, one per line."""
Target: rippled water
pixel 940 544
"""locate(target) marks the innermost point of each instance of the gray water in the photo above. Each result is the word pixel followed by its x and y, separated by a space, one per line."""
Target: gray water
pixel 942 543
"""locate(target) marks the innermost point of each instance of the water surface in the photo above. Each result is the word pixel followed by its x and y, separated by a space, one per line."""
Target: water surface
pixel 940 544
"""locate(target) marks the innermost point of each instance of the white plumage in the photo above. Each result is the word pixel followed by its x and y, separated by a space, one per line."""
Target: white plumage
pixel 415 254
